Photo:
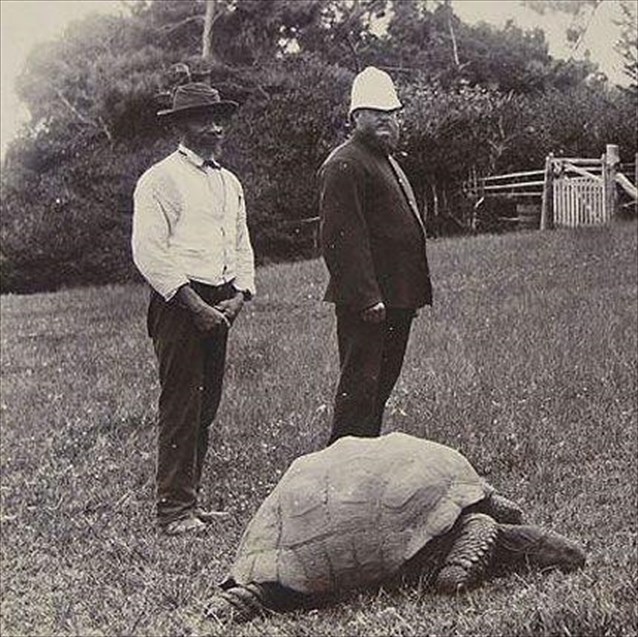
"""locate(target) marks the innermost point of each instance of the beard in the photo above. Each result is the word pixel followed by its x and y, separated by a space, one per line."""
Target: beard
pixel 204 144
pixel 390 140
pixel 385 138
pixel 212 144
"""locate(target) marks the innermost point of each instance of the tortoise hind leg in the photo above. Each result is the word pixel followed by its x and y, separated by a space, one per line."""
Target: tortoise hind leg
pixel 470 554
pixel 241 603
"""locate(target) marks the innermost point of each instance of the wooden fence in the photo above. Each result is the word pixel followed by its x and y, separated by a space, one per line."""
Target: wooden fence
pixel 525 187
pixel 568 192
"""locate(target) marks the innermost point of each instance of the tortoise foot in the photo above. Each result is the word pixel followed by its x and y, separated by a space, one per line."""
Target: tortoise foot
pixel 238 604
pixel 470 554
pixel 452 579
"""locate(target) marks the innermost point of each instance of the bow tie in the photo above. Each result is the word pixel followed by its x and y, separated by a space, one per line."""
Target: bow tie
pixel 210 163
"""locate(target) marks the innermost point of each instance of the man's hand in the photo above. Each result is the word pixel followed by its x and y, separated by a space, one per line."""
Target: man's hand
pixel 374 314
pixel 205 317
pixel 230 308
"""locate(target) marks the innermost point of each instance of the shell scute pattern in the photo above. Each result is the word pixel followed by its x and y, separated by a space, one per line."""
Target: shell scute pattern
pixel 352 514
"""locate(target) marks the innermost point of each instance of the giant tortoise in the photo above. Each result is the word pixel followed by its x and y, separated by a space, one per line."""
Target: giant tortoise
pixel 364 510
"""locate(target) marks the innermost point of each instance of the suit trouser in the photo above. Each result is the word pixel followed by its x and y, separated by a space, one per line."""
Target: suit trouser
pixel 191 373
pixel 371 356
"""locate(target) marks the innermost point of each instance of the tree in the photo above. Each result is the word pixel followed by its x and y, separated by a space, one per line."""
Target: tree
pixel 627 44
pixel 476 98
pixel 581 11
pixel 93 98
pixel 431 40
pixel 339 31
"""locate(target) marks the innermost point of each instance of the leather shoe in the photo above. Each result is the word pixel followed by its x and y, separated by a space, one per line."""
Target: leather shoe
pixel 191 524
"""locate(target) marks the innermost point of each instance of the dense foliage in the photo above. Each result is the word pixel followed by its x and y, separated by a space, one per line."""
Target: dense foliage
pixel 477 98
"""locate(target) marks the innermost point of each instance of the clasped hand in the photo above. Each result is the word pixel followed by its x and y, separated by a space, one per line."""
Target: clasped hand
pixel 374 314
pixel 230 308
pixel 208 317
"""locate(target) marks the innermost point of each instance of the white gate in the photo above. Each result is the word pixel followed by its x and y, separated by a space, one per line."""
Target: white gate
pixel 579 201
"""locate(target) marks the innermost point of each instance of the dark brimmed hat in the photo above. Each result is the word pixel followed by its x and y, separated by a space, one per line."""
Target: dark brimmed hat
pixel 195 98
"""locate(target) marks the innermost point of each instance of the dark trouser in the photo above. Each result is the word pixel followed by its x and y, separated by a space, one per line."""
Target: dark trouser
pixel 371 357
pixel 191 372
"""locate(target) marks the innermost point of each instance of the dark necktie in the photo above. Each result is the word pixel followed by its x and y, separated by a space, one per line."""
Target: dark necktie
pixel 210 163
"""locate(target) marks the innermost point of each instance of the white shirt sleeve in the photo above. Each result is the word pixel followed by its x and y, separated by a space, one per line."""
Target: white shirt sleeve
pixel 245 274
pixel 149 240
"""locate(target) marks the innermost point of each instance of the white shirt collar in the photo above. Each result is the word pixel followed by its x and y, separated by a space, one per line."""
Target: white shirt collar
pixel 193 157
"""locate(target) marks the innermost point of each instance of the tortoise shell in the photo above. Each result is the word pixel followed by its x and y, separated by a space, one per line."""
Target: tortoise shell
pixel 352 514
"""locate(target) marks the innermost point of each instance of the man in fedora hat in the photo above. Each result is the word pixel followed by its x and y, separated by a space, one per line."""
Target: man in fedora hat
pixel 190 242
pixel 373 243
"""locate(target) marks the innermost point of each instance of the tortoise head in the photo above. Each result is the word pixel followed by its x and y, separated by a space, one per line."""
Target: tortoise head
pixel 539 548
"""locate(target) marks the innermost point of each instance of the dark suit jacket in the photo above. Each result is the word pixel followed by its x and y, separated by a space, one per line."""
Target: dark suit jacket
pixel 372 235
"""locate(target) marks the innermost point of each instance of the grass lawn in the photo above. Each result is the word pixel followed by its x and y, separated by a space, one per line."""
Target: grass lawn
pixel 526 363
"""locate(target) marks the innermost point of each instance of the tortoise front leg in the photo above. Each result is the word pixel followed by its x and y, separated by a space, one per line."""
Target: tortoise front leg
pixel 471 552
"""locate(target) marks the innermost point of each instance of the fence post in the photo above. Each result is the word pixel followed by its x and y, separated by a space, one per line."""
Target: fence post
pixel 547 205
pixel 315 239
pixel 610 164
pixel 478 198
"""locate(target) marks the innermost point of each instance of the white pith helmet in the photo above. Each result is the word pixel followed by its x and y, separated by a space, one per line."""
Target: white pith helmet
pixel 373 88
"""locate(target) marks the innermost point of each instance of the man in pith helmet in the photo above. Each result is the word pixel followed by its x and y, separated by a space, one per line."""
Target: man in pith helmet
pixel 190 242
pixel 373 244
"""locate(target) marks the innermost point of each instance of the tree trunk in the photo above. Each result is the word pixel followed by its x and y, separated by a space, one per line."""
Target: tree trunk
pixel 455 50
pixel 208 51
